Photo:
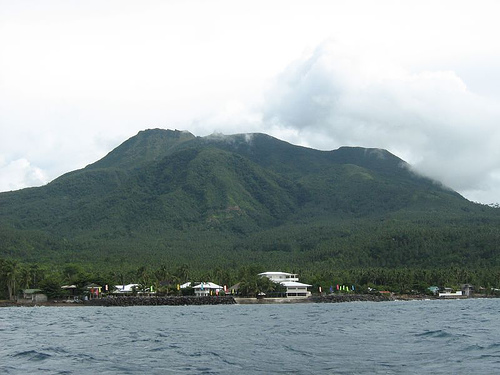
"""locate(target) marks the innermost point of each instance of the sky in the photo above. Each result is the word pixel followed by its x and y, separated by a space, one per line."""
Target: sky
pixel 418 78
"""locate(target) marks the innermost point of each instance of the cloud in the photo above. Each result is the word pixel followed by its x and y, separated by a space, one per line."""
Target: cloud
pixel 19 174
pixel 336 96
pixel 75 81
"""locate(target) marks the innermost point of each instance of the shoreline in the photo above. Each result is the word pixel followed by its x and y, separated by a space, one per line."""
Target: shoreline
pixel 125 301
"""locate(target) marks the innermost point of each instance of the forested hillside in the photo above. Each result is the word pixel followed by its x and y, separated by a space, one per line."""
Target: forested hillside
pixel 168 197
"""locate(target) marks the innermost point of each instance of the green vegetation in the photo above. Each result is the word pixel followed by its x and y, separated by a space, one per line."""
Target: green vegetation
pixel 226 203
pixel 16 276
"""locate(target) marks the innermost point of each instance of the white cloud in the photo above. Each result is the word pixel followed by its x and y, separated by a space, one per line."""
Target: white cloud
pixel 18 174
pixel 76 79
pixel 334 97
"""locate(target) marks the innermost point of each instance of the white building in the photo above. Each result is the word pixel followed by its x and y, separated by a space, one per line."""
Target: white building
pixel 290 281
pixel 207 289
pixel 279 277
pixel 449 293
pixel 126 289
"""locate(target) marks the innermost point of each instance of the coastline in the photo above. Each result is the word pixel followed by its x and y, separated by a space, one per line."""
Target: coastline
pixel 125 301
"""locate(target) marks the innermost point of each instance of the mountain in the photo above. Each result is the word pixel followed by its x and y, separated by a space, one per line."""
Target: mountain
pixel 170 196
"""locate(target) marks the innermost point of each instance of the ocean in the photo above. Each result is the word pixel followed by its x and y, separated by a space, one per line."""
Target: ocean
pixel 414 337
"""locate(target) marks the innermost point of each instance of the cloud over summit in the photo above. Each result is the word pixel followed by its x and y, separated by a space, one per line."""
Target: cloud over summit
pixel 335 98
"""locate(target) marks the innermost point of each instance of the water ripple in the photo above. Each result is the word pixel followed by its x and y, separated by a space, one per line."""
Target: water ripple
pixel 32 355
pixel 357 338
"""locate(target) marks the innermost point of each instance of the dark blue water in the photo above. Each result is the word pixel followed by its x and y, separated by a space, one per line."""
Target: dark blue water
pixel 419 337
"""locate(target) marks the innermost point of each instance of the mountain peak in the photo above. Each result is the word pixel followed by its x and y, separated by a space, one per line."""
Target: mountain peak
pixel 165 133
pixel 148 145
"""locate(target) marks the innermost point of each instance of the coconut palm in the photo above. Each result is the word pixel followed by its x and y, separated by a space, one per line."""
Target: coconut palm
pixel 11 273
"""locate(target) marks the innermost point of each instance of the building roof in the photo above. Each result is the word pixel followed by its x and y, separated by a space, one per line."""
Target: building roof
pixel 277 274
pixel 208 285
pixel 32 291
pixel 125 288
pixel 294 284
pixel 68 287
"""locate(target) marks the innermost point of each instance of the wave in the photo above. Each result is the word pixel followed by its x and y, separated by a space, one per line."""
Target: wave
pixel 32 355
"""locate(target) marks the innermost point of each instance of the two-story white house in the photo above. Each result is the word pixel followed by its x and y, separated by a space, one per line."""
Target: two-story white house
pixel 290 281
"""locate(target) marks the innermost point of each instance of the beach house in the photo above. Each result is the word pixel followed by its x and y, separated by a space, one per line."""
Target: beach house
pixel 126 289
pixel 33 295
pixel 207 289
pixel 290 281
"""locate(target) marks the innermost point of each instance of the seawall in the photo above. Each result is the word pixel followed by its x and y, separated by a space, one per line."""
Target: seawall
pixel 336 298
pixel 161 301
pixel 329 298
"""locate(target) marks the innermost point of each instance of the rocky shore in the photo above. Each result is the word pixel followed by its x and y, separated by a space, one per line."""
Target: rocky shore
pixel 329 298
pixel 226 300
pixel 337 298
pixel 161 301
pixel 229 300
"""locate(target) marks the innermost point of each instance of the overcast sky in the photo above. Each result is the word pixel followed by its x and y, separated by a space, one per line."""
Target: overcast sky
pixel 418 78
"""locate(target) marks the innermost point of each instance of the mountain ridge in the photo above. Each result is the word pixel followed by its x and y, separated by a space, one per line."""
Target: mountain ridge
pixel 167 194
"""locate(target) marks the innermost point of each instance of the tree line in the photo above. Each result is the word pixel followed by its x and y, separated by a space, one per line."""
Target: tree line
pixel 165 279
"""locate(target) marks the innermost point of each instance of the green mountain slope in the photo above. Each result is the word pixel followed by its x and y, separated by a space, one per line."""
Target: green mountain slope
pixel 170 196
pixel 145 147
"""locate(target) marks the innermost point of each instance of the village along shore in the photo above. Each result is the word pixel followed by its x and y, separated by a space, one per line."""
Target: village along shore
pixel 212 294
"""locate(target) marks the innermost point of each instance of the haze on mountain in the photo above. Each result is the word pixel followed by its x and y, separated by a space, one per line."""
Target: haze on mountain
pixel 169 196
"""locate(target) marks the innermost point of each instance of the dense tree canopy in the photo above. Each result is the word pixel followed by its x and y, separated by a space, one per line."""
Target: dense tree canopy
pixel 166 206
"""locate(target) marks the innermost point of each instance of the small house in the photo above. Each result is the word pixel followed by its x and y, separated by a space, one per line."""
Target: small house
pixel 467 289
pixel 34 296
pixel 207 289
pixel 449 293
pixel 72 290
pixel 296 289
pixel 94 290
pixel 126 288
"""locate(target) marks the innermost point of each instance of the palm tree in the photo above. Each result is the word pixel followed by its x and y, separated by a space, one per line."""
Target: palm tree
pixel 182 273
pixel 35 274
pixel 119 276
pixel 248 287
pixel 25 277
pixel 162 274
pixel 11 271
pixel 144 277
pixel 252 285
